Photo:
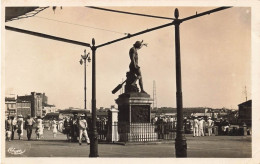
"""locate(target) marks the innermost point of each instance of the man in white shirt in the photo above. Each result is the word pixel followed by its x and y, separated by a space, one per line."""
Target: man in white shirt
pixel 201 122
pixel 210 125
pixel 195 127
pixel 82 124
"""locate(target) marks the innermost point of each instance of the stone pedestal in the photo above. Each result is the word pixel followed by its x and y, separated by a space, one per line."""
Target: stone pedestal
pixel 134 107
pixel 112 134
pixel 134 117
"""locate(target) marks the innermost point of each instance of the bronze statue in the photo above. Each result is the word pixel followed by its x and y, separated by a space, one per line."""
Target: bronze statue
pixel 135 73
pixel 134 67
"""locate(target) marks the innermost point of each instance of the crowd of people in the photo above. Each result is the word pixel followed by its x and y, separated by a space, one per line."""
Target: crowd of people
pixel 163 119
pixel 223 126
pixel 199 126
pixel 74 127
pixel 19 124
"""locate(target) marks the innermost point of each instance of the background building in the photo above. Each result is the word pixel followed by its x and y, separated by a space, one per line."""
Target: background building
pixel 35 104
pixel 23 108
pixel 245 112
pixel 10 105
pixel 48 109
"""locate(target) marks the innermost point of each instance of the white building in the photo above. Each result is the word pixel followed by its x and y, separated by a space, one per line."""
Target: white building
pixel 49 109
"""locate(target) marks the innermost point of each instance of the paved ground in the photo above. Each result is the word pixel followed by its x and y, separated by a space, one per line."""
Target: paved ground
pixel 214 146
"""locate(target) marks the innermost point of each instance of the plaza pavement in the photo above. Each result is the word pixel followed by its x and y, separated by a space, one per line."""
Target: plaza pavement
pixel 198 147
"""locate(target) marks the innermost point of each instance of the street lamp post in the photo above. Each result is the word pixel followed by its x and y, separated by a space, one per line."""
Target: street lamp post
pixel 94 134
pixel 85 57
pixel 180 141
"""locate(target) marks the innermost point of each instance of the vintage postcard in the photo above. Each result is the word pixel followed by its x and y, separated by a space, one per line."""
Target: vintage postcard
pixel 130 82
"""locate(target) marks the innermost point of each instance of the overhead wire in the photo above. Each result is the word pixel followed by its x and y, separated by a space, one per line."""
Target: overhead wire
pixel 81 25
pixel 131 13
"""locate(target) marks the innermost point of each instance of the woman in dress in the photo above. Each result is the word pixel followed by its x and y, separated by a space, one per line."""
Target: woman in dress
pixel 39 128
pixel 20 127
pixel 66 128
pixel 8 128
pixel 54 128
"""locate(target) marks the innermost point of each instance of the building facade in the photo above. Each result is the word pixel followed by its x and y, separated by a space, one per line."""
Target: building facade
pixel 10 105
pixel 37 102
pixel 48 109
pixel 245 112
pixel 23 108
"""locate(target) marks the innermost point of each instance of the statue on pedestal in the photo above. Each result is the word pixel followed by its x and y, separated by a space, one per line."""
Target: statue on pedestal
pixel 135 73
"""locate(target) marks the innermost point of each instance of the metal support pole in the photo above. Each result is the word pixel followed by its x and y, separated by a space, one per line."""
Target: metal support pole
pixel 85 87
pixel 94 135
pixel 180 141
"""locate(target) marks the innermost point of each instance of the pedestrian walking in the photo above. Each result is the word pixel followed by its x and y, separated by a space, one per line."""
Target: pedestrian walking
pixel 74 128
pixel 201 122
pixel 9 128
pixel 210 125
pixel 195 127
pixel 60 125
pixel 155 119
pixel 49 124
pixel 225 126
pixel 83 125
pixel 204 126
pixel 220 131
pixel 67 128
pixel 39 128
pixel 54 128
pixel 29 125
pixel 13 127
pixel 185 124
pixel 20 127
pixel 171 119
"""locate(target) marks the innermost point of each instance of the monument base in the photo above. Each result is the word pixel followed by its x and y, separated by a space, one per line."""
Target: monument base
pixel 134 107
pixel 138 132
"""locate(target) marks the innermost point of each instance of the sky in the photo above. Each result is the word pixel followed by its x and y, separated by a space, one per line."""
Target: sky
pixel 215 56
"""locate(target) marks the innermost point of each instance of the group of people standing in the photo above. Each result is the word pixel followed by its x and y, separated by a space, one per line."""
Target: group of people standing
pixel 12 125
pixel 199 126
pixel 76 127
pixel 163 119
pixel 20 124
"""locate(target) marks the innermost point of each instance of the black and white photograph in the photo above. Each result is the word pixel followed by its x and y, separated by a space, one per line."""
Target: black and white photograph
pixel 129 82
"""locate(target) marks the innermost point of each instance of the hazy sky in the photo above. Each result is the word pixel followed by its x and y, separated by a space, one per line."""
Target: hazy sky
pixel 215 56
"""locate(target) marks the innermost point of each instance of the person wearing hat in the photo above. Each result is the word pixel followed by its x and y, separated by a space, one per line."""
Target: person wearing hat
pixel 201 122
pixel 225 126
pixel 29 125
pixel 134 67
pixel 195 127
pixel 204 126
pixel 74 127
pixel 13 124
pixel 210 125
pixel 83 125
pixel 39 128
pixel 54 128
pixel 8 128
pixel 20 127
